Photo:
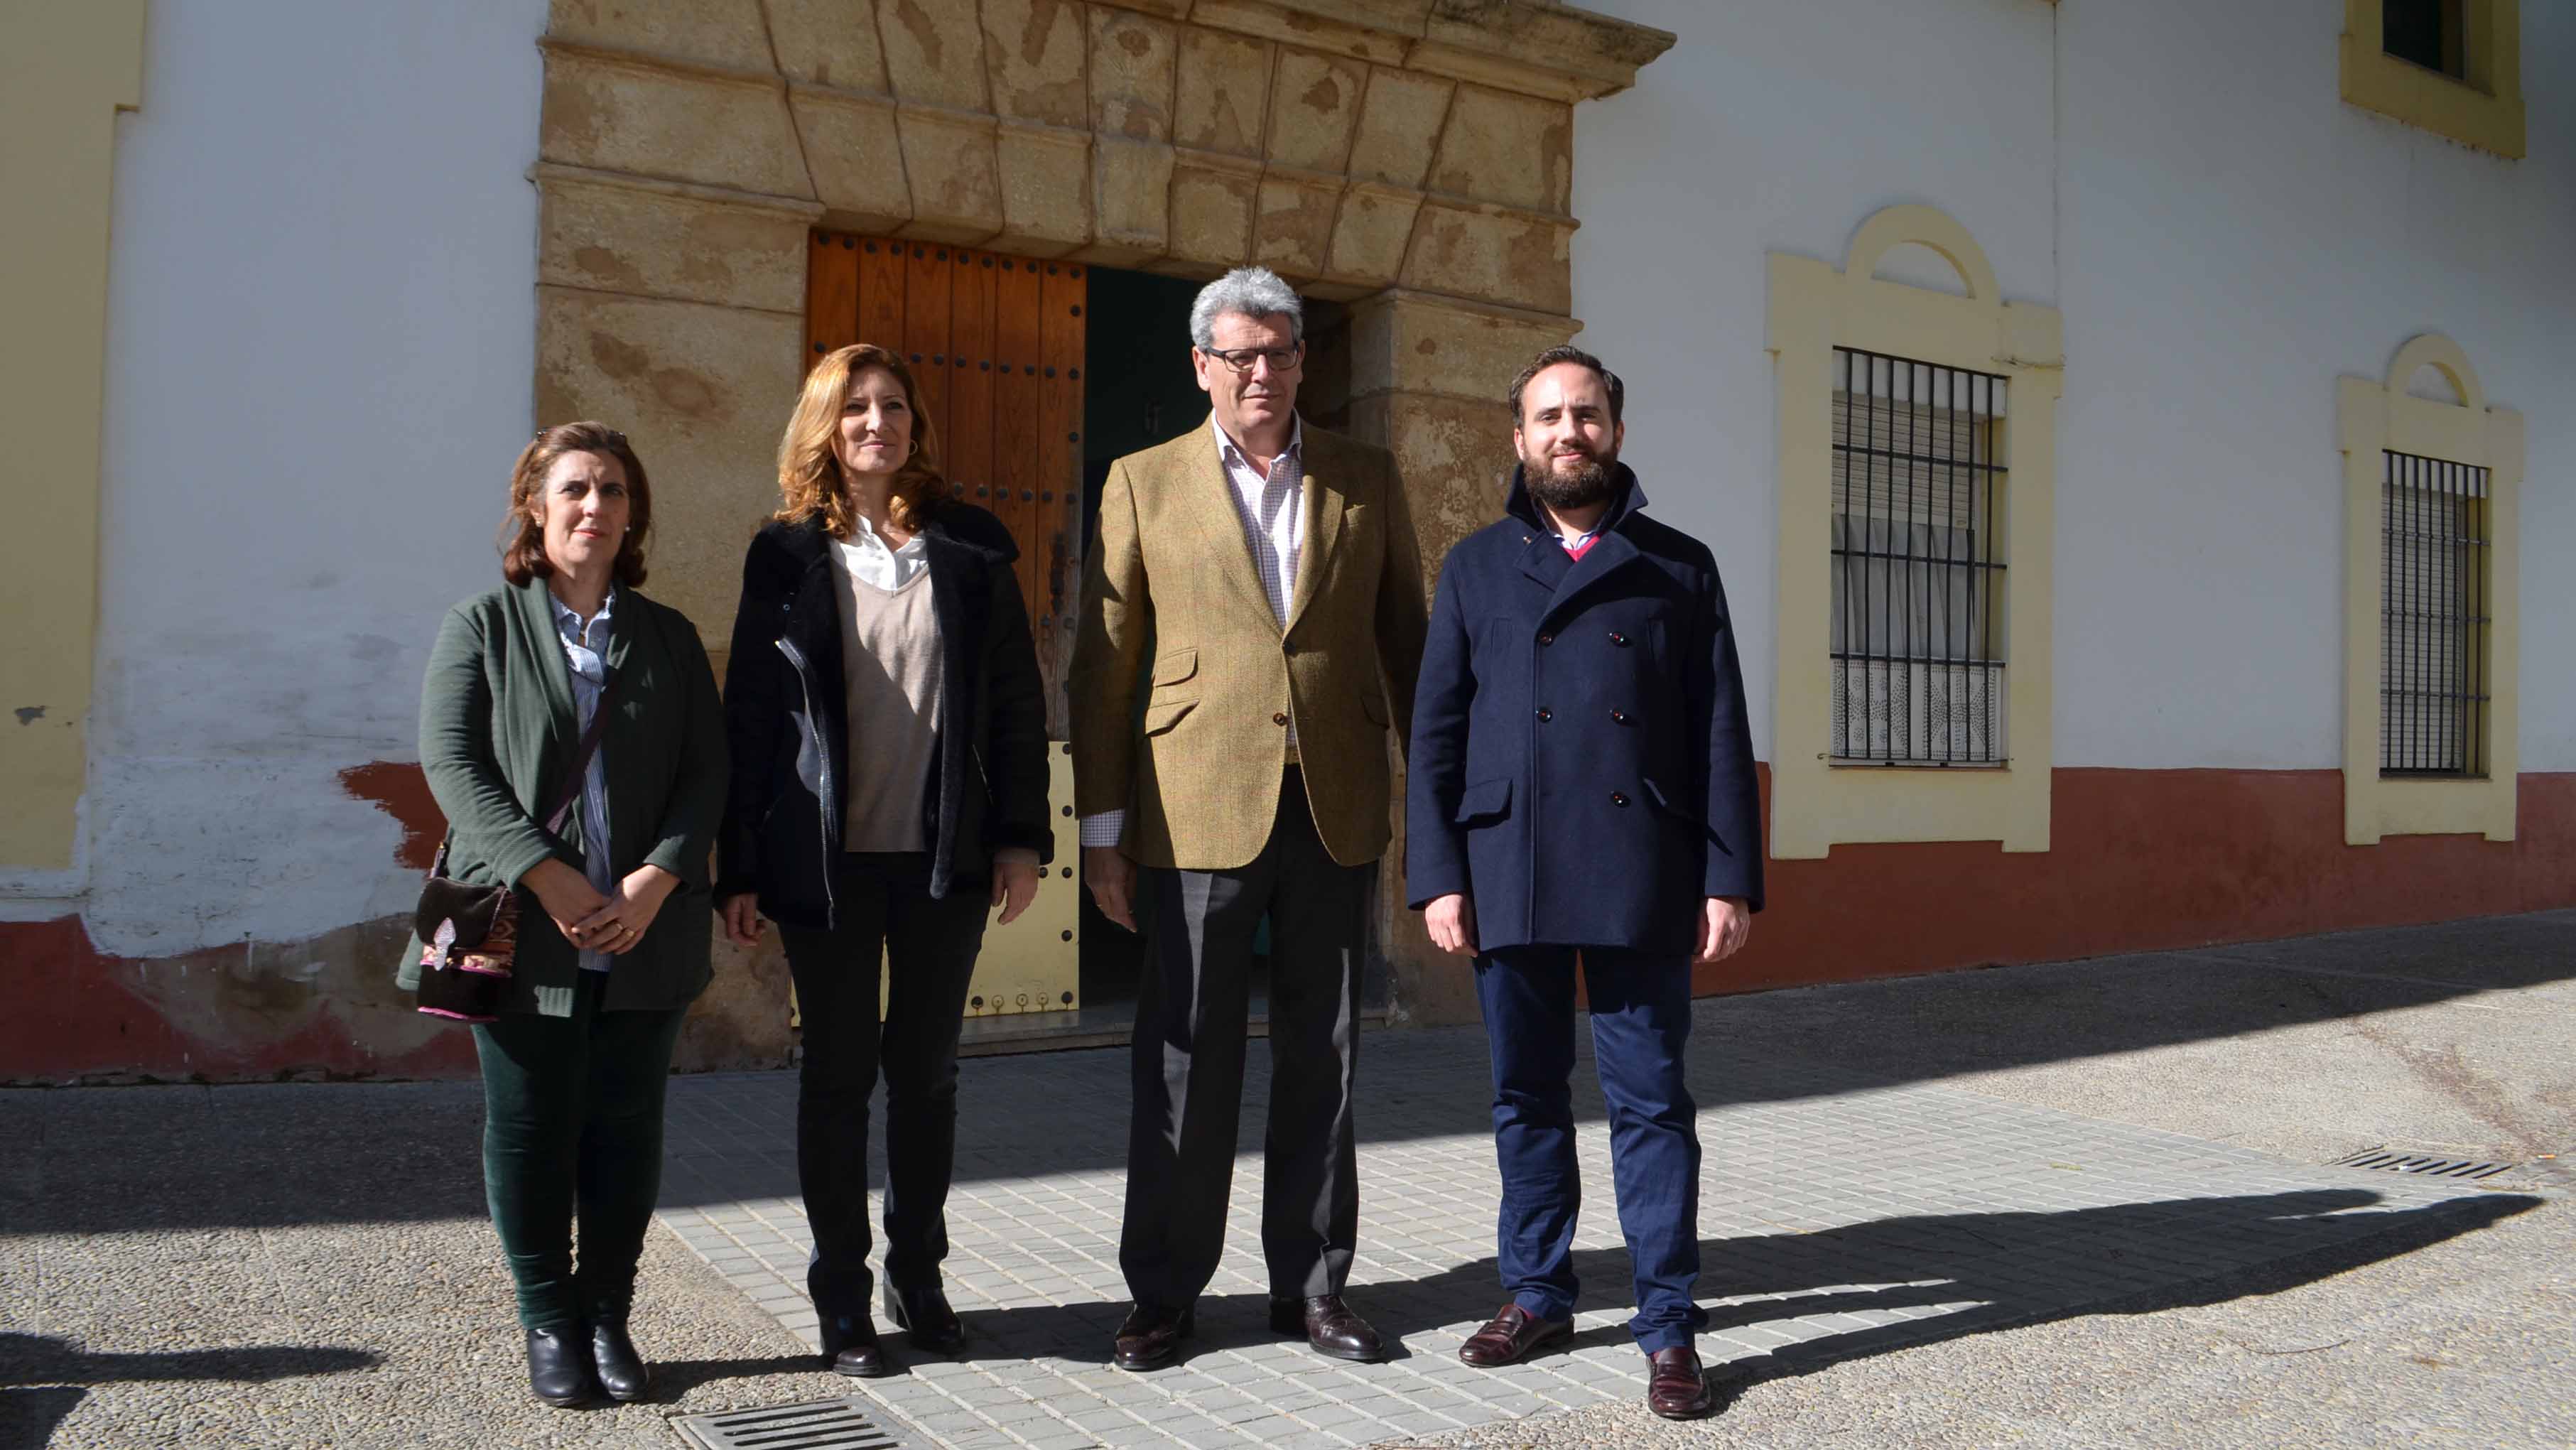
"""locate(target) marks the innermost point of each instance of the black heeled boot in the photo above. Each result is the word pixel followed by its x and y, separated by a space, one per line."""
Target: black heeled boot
pixel 850 1346
pixel 559 1370
pixel 924 1314
pixel 622 1372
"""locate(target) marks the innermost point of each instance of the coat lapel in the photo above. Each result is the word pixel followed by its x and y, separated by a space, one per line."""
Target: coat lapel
pixel 1324 499
pixel 537 616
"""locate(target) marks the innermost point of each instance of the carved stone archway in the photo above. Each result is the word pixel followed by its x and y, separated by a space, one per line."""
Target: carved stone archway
pixel 1413 158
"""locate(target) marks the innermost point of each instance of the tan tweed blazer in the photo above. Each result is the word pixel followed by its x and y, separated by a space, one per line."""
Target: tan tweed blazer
pixel 1170 582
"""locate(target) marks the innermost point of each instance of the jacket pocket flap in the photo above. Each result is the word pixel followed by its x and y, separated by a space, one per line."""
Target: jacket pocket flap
pixel 1665 803
pixel 1162 715
pixel 1485 800
pixel 1175 667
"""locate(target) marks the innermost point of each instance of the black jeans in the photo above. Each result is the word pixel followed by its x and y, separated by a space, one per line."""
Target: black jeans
pixel 572 1114
pixel 929 947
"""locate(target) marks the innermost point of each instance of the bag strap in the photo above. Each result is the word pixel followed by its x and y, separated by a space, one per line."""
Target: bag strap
pixel 581 757
pixel 572 781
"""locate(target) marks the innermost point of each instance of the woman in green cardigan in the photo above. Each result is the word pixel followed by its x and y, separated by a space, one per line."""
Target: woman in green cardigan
pixel 614 921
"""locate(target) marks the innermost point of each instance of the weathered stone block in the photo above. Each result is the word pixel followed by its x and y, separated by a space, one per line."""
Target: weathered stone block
pixel 1293 227
pixel 726 33
pixel 1132 69
pixel 1212 198
pixel 956 187
pixel 1046 188
pixel 740 1021
pixel 829 42
pixel 610 234
pixel 618 114
pixel 1131 190
pixel 1306 29
pixel 1223 88
pixel 934 53
pixel 703 392
pixel 1315 110
pixel 1517 150
pixel 856 155
pixel 1034 53
pixel 1404 342
pixel 1399 127
pixel 1370 234
pixel 1492 254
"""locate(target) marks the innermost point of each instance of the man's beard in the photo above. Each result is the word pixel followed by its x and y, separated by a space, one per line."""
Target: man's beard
pixel 1585 483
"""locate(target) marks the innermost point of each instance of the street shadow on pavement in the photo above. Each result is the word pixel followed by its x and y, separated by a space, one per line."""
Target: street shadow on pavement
pixel 43 1379
pixel 1961 1274
pixel 1966 1274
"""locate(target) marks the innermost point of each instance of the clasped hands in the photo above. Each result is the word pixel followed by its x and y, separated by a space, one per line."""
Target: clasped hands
pixel 594 922
pixel 1725 922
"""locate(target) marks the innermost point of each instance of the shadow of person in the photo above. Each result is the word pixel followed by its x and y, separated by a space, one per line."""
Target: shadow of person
pixel 43 1379
pixel 673 1378
pixel 1868 1288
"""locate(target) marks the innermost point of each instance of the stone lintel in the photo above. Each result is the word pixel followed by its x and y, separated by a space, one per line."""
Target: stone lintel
pixel 611 232
pixel 1536 47
pixel 1409 341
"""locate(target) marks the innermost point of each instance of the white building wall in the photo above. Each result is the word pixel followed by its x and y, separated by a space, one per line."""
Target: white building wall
pixel 318 375
pixel 2223 236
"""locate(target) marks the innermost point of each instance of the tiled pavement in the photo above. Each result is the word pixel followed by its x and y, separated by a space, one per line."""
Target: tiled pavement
pixel 1842 1217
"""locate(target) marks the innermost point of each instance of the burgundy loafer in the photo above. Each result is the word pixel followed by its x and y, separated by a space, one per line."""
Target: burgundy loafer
pixel 1511 1335
pixel 1676 1386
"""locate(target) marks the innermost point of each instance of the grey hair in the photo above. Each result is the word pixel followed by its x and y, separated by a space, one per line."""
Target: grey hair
pixel 1254 292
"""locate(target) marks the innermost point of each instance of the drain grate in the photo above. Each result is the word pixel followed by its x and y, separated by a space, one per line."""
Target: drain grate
pixel 2425 1164
pixel 848 1423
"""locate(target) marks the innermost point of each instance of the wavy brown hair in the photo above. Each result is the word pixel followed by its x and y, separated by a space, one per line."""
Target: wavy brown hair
pixel 523 533
pixel 809 459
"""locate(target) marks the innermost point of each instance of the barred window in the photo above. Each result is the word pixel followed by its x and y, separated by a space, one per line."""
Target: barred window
pixel 1918 637
pixel 2433 685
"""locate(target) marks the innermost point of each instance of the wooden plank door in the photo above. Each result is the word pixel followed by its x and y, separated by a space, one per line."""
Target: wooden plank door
pixel 996 343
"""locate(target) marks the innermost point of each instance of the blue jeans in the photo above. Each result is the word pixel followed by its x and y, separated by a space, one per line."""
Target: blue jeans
pixel 1641 1016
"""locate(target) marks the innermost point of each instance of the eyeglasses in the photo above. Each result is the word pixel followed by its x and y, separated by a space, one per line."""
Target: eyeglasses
pixel 1241 359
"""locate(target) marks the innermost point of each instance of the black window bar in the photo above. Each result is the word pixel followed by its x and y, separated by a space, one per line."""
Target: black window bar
pixel 1918 638
pixel 2434 614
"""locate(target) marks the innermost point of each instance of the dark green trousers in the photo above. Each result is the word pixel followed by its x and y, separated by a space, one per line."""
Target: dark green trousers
pixel 572 1124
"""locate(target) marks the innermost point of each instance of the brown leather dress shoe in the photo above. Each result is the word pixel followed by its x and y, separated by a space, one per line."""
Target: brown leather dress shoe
pixel 1151 1337
pixel 1512 1334
pixel 1676 1386
pixel 1329 1325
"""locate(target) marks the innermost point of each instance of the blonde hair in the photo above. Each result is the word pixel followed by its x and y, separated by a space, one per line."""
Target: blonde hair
pixel 809 460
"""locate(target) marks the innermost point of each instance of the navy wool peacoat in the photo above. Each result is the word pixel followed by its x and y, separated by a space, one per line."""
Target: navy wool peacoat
pixel 1580 765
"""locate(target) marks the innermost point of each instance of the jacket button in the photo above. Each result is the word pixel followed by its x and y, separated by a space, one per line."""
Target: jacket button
pixel 1619 716
pixel 1618 798
pixel 1618 639
pixel 1547 639
pixel 1545 714
pixel 1281 719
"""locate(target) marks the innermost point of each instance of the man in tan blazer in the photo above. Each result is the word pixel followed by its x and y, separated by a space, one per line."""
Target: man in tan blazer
pixel 1257 581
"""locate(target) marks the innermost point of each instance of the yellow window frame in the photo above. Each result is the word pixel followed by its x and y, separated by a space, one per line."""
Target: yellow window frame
pixel 1814 308
pixel 2483 109
pixel 2375 416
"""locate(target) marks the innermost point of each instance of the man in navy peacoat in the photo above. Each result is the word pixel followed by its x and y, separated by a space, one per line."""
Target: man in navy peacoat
pixel 1582 794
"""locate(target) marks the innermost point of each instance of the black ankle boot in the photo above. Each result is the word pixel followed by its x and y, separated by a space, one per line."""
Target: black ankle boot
pixel 924 1314
pixel 559 1366
pixel 622 1372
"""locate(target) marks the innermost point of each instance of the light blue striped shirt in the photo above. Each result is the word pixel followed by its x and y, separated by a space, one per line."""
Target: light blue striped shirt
pixel 586 651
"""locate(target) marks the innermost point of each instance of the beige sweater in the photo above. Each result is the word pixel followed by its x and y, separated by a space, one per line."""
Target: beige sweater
pixel 890 657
